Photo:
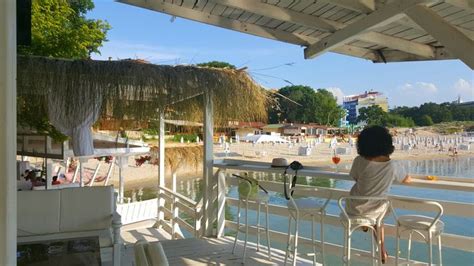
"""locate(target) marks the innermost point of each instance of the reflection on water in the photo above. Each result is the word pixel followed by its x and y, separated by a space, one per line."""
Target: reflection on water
pixel 457 166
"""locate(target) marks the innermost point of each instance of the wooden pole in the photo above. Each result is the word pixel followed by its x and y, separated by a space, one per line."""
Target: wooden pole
pixel 8 201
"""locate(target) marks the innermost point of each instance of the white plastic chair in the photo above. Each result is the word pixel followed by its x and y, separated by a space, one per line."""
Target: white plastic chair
pixel 426 226
pixel 301 207
pixel 260 198
pixel 352 223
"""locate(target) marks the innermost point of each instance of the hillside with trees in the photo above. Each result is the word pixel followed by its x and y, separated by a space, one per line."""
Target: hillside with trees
pixel 303 104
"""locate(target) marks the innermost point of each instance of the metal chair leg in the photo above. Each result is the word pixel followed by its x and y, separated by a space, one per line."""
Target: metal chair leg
pixel 323 248
pixel 295 240
pixel 409 246
pixel 312 239
pixel 238 228
pixel 268 232
pixel 430 248
pixel 349 234
pixel 258 226
pixel 288 244
pixel 439 250
pixel 246 228
pixel 397 255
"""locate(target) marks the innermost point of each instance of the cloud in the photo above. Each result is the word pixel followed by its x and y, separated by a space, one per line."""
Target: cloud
pixel 124 50
pixel 413 94
pixel 337 92
pixel 465 89
pixel 417 87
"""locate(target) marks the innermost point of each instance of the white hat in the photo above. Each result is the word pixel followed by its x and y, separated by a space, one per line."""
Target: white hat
pixel 279 162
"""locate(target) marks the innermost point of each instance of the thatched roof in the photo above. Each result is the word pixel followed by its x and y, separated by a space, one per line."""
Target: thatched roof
pixel 134 89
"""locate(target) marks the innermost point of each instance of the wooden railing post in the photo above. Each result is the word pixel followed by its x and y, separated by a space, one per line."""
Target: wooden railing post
pixel 221 198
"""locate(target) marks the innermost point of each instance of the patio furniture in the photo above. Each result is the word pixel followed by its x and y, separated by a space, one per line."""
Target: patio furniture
pixel 249 192
pixel 351 223
pixel 149 254
pixel 45 215
pixel 427 227
pixel 299 208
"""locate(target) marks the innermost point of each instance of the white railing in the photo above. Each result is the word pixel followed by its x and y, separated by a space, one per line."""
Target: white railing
pixel 460 242
pixel 138 211
pixel 173 206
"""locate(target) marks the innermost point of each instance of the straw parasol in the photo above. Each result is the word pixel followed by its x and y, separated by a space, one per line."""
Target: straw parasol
pixel 134 89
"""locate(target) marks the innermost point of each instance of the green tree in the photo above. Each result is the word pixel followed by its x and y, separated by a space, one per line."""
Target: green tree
pixel 425 120
pixel 217 64
pixel 59 28
pixel 303 104
pixel 328 112
pixel 372 115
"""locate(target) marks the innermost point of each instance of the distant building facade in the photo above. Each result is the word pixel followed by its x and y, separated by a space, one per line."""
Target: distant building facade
pixel 353 103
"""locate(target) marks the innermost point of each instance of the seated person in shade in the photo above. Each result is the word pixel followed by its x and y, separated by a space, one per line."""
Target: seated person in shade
pixel 55 180
pixel 374 173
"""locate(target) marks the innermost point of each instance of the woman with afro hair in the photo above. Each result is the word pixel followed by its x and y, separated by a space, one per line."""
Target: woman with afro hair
pixel 374 173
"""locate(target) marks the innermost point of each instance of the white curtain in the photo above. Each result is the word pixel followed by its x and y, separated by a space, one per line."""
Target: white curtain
pixel 77 125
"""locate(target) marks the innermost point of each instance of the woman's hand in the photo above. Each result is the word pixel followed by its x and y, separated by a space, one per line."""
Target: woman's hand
pixel 407 179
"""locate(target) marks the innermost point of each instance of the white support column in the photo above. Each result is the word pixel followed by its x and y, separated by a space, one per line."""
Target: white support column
pixel 221 202
pixel 210 184
pixel 161 166
pixel 458 44
pixel 8 132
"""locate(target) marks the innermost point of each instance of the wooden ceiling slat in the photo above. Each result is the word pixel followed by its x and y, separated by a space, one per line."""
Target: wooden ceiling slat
pixel 252 19
pixel 208 7
pixel 245 16
pixel 285 26
pixel 274 23
pixel 302 5
pixel 262 20
pixel 340 14
pixel 460 17
pixel 449 11
pixel 218 9
pixel 330 12
pixel 322 10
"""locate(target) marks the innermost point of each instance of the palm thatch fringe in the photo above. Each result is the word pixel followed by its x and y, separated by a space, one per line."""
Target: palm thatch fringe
pixel 136 90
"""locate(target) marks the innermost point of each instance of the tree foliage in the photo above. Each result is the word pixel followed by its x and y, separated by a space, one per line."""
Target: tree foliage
pixel 375 115
pixel 59 28
pixel 312 106
pixel 437 113
pixel 217 64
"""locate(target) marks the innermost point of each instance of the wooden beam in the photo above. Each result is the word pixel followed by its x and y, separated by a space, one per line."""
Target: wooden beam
pixel 317 23
pixel 399 56
pixel 383 16
pixel 406 21
pixel 361 6
pixel 401 44
pixel 236 25
pixel 284 14
pixel 454 40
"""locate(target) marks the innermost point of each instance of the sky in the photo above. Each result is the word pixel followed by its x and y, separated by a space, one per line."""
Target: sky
pixel 139 33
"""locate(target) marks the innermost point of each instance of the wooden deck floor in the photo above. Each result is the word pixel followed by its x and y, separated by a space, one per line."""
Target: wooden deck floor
pixel 203 251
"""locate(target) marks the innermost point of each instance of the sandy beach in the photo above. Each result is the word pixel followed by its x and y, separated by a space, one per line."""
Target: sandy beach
pixel 147 174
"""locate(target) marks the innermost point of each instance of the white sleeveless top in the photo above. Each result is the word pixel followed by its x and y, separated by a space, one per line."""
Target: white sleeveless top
pixel 372 179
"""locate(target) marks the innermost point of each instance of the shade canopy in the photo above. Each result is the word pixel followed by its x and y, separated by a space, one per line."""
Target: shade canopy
pixel 377 30
pixel 133 89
